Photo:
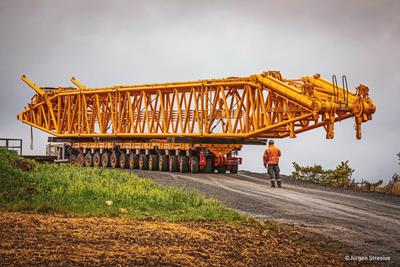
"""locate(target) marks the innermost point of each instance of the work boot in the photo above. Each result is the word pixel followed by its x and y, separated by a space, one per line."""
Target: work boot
pixel 273 183
pixel 279 183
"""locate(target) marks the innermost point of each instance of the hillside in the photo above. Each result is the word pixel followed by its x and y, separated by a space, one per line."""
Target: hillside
pixel 64 215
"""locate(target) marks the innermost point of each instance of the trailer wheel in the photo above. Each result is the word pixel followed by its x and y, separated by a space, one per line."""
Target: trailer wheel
pixel 194 164
pixel 184 164
pixel 80 160
pixel 209 165
pixel 153 162
pixel 123 161
pixel 221 169
pixel 88 160
pixel 96 159
pixel 72 159
pixel 105 160
pixel 143 162
pixel 234 169
pixel 163 164
pixel 133 161
pixel 114 160
pixel 173 164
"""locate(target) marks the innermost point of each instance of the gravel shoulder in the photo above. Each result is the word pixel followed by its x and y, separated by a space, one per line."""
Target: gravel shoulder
pixel 368 223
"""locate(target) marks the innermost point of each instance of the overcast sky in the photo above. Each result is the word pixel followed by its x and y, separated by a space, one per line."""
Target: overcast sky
pixel 103 43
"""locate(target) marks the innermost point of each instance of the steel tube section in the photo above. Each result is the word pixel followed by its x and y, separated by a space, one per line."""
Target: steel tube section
pixel 319 124
pixel 327 87
pixel 247 141
pixel 285 90
pixel 77 83
pixel 263 130
pixel 291 93
pixel 167 140
pixel 152 88
pixel 33 86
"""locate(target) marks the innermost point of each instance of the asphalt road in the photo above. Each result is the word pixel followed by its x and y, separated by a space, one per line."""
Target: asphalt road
pixel 367 222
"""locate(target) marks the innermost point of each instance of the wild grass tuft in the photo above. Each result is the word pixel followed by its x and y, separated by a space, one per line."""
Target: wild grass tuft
pixel 86 191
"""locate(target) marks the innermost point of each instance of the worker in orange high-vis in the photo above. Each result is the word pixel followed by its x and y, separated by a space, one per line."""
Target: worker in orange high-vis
pixel 271 162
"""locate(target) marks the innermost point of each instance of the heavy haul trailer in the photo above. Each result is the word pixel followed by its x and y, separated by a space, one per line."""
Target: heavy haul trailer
pixel 157 155
pixel 189 126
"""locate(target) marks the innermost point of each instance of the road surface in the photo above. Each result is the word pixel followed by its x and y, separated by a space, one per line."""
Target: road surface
pixel 368 222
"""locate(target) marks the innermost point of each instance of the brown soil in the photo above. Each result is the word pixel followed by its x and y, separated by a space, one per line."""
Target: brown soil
pixel 32 239
pixel 22 164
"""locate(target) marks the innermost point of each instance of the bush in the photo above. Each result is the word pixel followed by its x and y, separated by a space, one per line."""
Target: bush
pixel 394 185
pixel 339 177
pixel 396 176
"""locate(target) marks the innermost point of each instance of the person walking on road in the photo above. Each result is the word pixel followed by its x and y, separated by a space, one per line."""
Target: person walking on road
pixel 271 162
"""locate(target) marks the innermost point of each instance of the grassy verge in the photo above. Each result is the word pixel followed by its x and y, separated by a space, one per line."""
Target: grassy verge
pixel 25 186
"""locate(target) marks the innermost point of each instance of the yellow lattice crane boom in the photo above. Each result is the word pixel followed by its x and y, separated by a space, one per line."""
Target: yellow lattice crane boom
pixel 193 123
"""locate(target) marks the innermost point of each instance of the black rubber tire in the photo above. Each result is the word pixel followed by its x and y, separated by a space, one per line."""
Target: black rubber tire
pixel 72 159
pixel 173 164
pixel 88 160
pixel 221 169
pixel 184 164
pixel 209 168
pixel 105 160
pixel 96 160
pixel 194 164
pixel 163 163
pixel 123 161
pixel 114 160
pixel 234 169
pixel 153 162
pixel 143 162
pixel 133 161
pixel 80 161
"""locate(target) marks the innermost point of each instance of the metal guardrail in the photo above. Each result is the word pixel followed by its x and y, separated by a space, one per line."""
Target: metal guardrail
pixel 9 143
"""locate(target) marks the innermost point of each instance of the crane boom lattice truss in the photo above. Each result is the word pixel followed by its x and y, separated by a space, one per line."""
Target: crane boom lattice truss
pixel 258 106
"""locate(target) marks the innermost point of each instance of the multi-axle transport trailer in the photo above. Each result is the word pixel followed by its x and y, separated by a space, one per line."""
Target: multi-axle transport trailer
pixel 151 155
pixel 196 126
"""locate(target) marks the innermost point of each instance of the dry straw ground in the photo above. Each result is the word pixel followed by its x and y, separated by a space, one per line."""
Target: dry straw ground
pixel 35 239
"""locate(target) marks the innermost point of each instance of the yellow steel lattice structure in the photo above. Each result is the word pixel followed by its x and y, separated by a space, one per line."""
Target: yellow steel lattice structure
pixel 258 106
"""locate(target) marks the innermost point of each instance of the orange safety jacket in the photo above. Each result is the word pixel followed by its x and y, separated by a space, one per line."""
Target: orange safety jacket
pixel 271 155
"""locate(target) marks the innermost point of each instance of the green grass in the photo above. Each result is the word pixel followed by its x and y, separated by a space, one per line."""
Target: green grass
pixel 27 186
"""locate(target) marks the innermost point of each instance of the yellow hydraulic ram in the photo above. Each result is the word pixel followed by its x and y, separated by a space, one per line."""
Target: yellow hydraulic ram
pixel 255 107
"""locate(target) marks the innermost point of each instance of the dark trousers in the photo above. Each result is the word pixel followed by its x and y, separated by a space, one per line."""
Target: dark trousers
pixel 273 172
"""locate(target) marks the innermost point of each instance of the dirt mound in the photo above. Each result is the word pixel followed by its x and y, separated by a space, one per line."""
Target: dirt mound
pixel 10 159
pixel 22 164
pixel 31 239
pixel 394 188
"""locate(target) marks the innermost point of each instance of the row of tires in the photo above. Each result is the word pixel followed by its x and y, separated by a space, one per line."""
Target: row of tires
pixel 151 162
